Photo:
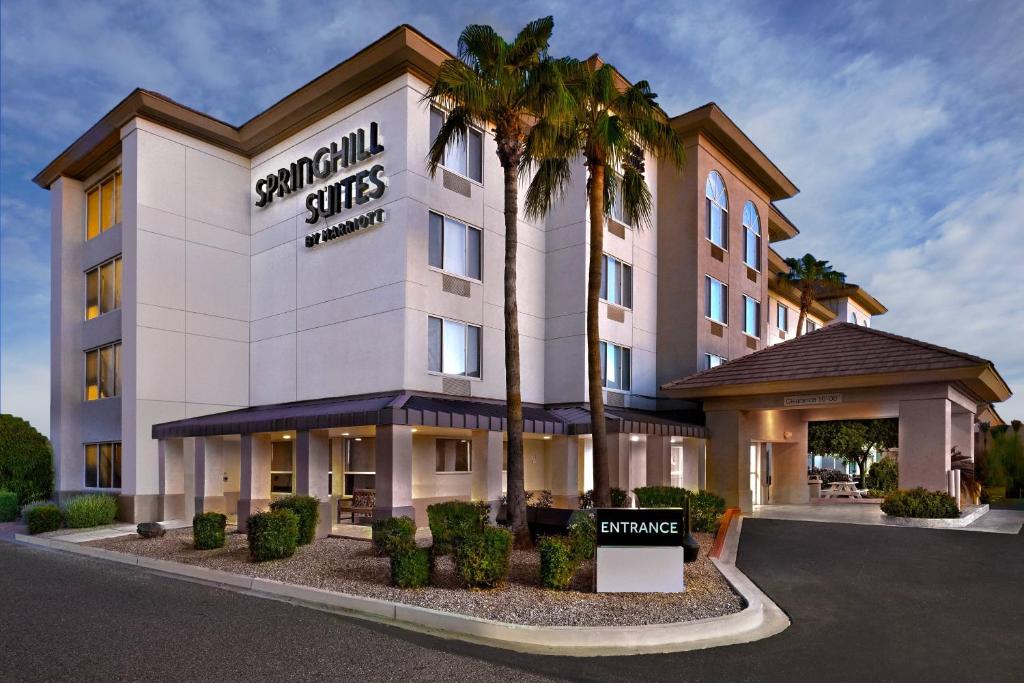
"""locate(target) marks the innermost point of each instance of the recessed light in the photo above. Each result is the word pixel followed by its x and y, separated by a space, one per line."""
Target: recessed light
pixel 415 430
pixel 358 439
pixel 344 433
pixel 634 438
pixel 546 438
pixel 287 436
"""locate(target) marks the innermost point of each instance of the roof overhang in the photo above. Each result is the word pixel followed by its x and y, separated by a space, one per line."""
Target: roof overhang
pixel 859 295
pixel 779 226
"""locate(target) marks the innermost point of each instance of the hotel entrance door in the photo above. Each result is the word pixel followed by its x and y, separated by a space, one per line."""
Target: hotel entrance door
pixel 760 472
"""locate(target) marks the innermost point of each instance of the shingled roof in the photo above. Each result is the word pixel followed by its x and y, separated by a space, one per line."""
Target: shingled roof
pixel 844 350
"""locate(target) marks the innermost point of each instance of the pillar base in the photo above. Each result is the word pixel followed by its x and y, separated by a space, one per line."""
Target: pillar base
pixel 247 507
pixel 172 506
pixel 324 524
pixel 139 508
pixel 210 504
pixel 388 513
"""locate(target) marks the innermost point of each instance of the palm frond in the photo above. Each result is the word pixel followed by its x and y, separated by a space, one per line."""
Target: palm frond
pixel 636 197
pixel 531 45
pixel 547 187
pixel 453 130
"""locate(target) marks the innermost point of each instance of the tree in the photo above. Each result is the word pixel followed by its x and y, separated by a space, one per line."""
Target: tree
pixel 26 460
pixel 610 126
pixel 853 441
pixel 501 87
pixel 810 276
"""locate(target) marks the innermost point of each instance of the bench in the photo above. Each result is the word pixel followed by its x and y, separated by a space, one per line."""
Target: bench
pixel 361 504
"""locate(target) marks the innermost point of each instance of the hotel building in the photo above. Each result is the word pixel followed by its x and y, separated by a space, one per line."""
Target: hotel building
pixel 296 305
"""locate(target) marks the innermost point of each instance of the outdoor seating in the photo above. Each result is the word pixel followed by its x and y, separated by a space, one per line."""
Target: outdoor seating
pixel 361 504
pixel 843 489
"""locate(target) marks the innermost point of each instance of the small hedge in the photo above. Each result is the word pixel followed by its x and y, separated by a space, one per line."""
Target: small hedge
pixel 452 520
pixel 920 503
pixel 272 535
pixel 208 530
pixel 393 534
pixel 557 562
pixel 660 496
pixel 410 567
pixel 619 499
pixel 583 535
pixel 90 510
pixel 705 510
pixel 307 509
pixel 43 518
pixel 482 559
pixel 8 506
pixel 884 475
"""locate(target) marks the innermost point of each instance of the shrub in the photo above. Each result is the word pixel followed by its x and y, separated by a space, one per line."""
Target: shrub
pixel 94 509
pixel 393 534
pixel 307 509
pixel 920 503
pixel 828 476
pixel 43 517
pixel 26 461
pixel 660 496
pixel 620 498
pixel 208 530
pixel 540 499
pixel 272 535
pixel 482 558
pixel 583 535
pixel 884 475
pixel 452 520
pixel 8 506
pixel 705 510
pixel 587 500
pixel 557 562
pixel 410 567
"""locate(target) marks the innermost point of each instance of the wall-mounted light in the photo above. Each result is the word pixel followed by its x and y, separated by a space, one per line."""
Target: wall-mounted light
pixel 414 430
pixel 287 436
pixel 787 435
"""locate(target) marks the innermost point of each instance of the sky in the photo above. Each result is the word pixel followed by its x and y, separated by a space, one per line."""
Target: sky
pixel 900 122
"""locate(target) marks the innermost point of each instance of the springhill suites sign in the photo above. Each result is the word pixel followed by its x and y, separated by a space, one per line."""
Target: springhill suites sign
pixel 351 191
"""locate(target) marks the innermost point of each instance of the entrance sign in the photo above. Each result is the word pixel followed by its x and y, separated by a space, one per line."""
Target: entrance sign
pixel 640 551
pixel 814 400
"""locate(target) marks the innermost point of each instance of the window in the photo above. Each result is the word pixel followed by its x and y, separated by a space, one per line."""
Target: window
pixel 103 372
pixel 751 316
pixel 618 209
pixel 752 236
pixel 616 282
pixel 453 348
pixel 782 313
pixel 866 322
pixel 712 361
pixel 281 467
pixel 103 205
pixel 103 289
pixel 615 366
pixel 716 300
pixel 103 465
pixel 717 209
pixel 853 317
pixel 810 325
pixel 453 455
pixel 454 246
pixel 360 464
pixel 465 156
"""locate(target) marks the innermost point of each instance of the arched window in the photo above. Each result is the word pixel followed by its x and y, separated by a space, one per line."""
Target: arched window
pixel 718 210
pixel 853 317
pixel 752 236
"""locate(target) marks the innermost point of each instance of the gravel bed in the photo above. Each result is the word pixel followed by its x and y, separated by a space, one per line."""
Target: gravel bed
pixel 350 566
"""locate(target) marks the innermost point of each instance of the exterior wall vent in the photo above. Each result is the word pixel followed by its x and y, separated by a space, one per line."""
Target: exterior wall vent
pixel 751 274
pixel 617 314
pixel 616 228
pixel 614 399
pixel 717 253
pixel 717 330
pixel 456 183
pixel 454 285
pixel 752 343
pixel 455 387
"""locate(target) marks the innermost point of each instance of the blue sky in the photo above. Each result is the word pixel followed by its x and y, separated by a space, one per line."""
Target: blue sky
pixel 901 122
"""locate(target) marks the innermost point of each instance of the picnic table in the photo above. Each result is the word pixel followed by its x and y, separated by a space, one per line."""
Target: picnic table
pixel 842 489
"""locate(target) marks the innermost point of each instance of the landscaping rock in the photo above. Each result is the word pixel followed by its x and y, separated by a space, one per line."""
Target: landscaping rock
pixel 151 530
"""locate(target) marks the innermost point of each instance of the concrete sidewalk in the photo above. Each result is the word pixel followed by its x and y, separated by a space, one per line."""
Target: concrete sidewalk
pixel 995 521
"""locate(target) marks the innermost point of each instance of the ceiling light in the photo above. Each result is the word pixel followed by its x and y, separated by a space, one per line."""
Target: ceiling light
pixel 547 438
pixel 344 433
pixel 287 436
pixel 414 430
pixel 634 438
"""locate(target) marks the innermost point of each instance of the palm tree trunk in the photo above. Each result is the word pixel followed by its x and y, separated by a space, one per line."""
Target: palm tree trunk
pixel 516 498
pixel 602 485
pixel 801 321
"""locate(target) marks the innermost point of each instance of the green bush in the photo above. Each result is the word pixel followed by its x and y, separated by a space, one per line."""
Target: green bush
pixel 583 535
pixel 920 503
pixel 705 510
pixel 307 509
pixel 272 535
pixel 884 475
pixel 43 517
pixel 619 498
pixel 482 559
pixel 410 567
pixel 94 509
pixel 452 520
pixel 557 562
pixel 26 461
pixel 660 496
pixel 8 506
pixel 208 530
pixel 393 534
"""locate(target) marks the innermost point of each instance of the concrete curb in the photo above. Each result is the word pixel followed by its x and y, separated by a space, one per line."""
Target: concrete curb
pixel 760 619
pixel 966 518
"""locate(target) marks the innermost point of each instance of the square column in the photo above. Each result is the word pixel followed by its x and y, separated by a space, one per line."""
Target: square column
pixel 563 456
pixel 254 482
pixel 393 450
pixel 924 438
pixel 171 455
pixel 209 475
pixel 691 466
pixel 728 456
pixel 961 426
pixel 702 461
pixel 487 452
pixel 659 460
pixel 618 460
pixel 312 462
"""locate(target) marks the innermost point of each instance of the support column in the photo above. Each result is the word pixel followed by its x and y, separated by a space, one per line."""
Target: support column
pixel 394 472
pixel 702 462
pixel 562 452
pixel 254 483
pixel 924 438
pixel 692 463
pixel 487 450
pixel 961 426
pixel 659 460
pixel 618 460
pixel 728 456
pixel 209 477
pixel 312 462
pixel 171 454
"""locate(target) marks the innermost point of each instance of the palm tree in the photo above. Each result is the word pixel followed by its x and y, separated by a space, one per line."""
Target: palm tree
pixel 610 125
pixel 501 87
pixel 811 276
